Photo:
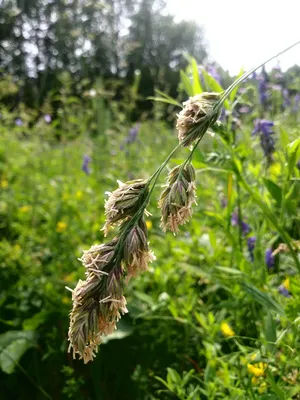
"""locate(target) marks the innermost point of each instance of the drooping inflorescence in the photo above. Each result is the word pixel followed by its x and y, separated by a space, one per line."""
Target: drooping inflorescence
pixel 98 301
pixel 177 199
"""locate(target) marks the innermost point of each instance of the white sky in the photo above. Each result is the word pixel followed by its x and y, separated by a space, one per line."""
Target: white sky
pixel 245 33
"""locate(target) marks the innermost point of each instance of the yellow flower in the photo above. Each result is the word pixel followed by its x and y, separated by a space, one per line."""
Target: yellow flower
pixel 3 183
pixel 79 195
pixel 262 388
pixel 286 283
pixel 149 224
pixel 257 369
pixel 25 209
pixel 226 330
pixel 61 226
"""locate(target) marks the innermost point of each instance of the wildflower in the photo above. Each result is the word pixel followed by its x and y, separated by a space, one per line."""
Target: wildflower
pixel 177 199
pixel 286 283
pixel 85 164
pixel 298 165
pixel 124 202
pixel 251 245
pixel 286 99
pixel 235 220
pixel 264 128
pixel 296 102
pixel 262 388
pixel 149 224
pixel 212 70
pixel 227 330
pixel 284 288
pixel 61 226
pixel 25 209
pixel 136 250
pixel 269 258
pixel 262 90
pixel 47 118
pixel 18 122
pixel 196 117
pixel 257 369
pixel 132 134
pixel 3 183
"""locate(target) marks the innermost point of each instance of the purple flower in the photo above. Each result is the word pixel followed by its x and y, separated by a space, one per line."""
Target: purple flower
pixel 269 258
pixel 18 122
pixel 251 245
pixel 236 221
pixel 47 118
pixel 212 71
pixel 264 128
pixel 286 99
pixel 297 102
pixel 85 164
pixel 277 72
pixel 263 93
pixel 132 133
pixel 298 165
pixel 224 202
pixel 283 291
pixel 244 109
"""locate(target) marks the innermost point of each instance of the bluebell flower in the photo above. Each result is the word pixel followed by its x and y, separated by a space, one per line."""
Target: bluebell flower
pixel 85 164
pixel 269 258
pixel 251 246
pixel 18 122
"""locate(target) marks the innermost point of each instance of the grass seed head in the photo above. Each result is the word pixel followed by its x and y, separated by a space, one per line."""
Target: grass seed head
pixel 196 117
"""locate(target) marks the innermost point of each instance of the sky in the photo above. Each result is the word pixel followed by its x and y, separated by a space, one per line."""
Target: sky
pixel 245 33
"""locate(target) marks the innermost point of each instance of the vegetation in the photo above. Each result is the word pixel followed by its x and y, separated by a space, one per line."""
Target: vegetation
pixel 216 316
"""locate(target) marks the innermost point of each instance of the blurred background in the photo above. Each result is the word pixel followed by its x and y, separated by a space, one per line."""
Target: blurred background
pixel 89 93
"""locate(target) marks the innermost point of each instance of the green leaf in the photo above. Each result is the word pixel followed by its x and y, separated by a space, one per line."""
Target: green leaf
pixel 197 89
pixel 262 298
pixel 270 331
pixel 13 344
pixel 214 85
pixel 233 93
pixel 292 150
pixel 276 388
pixel 274 190
pixel 186 83
pixel 231 271
pixel 164 98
